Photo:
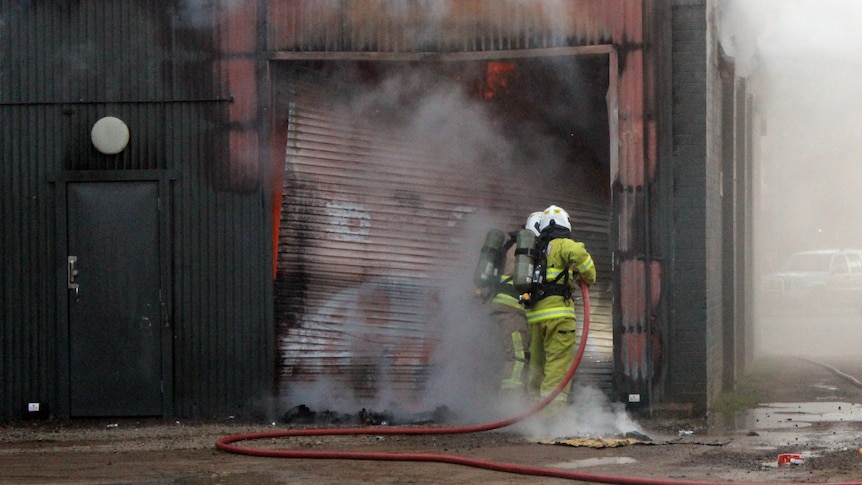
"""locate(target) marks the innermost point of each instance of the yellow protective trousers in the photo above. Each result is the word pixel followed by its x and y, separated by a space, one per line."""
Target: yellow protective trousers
pixel 552 352
pixel 512 326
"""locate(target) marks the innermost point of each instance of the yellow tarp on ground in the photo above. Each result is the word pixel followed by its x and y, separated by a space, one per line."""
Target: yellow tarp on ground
pixel 595 442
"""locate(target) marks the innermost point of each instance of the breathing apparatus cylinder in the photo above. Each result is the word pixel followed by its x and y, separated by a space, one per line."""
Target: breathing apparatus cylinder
pixel 488 266
pixel 525 254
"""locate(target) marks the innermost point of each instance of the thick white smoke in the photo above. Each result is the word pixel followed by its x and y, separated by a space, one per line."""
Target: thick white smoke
pixel 802 60
pixel 432 106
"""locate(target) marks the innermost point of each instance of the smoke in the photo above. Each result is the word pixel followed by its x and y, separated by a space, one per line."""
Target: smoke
pixel 801 61
pixel 436 113
pixel 468 358
pixel 517 153
pixel 589 415
pixel 451 136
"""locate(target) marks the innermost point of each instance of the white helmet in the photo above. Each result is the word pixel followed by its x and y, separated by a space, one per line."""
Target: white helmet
pixel 533 222
pixel 556 214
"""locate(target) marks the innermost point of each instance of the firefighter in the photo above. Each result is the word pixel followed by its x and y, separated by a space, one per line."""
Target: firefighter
pixel 508 315
pixel 551 318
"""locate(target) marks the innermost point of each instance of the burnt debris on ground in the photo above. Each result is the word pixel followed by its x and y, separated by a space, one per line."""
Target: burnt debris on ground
pixel 302 414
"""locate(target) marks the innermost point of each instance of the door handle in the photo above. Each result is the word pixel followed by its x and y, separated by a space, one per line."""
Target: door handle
pixel 72 273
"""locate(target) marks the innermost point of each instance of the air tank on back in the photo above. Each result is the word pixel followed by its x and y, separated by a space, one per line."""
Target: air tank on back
pixel 487 268
pixel 525 248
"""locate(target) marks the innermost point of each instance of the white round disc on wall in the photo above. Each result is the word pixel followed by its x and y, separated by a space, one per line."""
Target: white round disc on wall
pixel 110 135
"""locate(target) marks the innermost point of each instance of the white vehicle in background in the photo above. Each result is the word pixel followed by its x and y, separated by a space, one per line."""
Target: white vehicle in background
pixel 821 281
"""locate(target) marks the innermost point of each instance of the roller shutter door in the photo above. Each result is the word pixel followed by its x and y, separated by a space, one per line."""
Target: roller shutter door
pixel 369 221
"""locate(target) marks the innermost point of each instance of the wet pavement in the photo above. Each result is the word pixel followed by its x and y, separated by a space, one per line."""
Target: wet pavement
pixel 775 417
pixel 822 426
pixel 807 411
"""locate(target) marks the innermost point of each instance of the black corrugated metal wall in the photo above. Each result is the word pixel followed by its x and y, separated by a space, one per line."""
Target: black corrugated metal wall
pixel 64 65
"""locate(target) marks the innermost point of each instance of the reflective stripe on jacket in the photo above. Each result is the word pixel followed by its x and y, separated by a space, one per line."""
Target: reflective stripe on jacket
pixel 505 298
pixel 508 300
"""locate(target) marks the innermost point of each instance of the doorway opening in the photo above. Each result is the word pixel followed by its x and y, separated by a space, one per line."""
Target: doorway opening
pixel 393 172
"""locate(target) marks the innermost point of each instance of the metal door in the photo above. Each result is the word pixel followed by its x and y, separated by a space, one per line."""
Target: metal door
pixel 113 269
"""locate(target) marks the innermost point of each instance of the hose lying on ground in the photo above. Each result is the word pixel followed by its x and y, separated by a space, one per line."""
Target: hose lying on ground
pixel 227 443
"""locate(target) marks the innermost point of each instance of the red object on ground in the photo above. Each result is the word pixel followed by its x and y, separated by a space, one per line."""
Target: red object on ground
pixel 790 459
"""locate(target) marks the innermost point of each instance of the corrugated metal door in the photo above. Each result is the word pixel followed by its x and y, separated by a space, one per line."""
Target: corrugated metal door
pixel 370 220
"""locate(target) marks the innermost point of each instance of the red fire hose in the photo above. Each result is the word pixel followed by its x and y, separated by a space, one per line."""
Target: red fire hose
pixel 227 443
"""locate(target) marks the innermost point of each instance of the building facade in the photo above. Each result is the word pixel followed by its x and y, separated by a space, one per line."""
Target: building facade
pixel 210 206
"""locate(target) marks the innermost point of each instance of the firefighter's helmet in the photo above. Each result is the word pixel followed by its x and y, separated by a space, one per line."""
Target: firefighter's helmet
pixel 533 222
pixel 555 215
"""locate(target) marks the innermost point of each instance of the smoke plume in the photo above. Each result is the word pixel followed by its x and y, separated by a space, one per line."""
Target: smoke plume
pixel 801 61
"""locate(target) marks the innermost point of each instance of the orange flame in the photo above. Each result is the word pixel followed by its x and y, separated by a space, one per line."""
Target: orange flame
pixel 497 79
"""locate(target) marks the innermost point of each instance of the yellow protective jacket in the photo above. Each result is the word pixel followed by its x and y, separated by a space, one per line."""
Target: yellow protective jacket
pixel 508 298
pixel 563 255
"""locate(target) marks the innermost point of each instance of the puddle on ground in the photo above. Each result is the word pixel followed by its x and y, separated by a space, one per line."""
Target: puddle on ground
pixel 832 425
pixel 795 415
pixel 610 460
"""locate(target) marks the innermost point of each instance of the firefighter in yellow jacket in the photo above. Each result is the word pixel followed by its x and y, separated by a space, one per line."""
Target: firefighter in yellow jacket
pixel 551 317
pixel 508 315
